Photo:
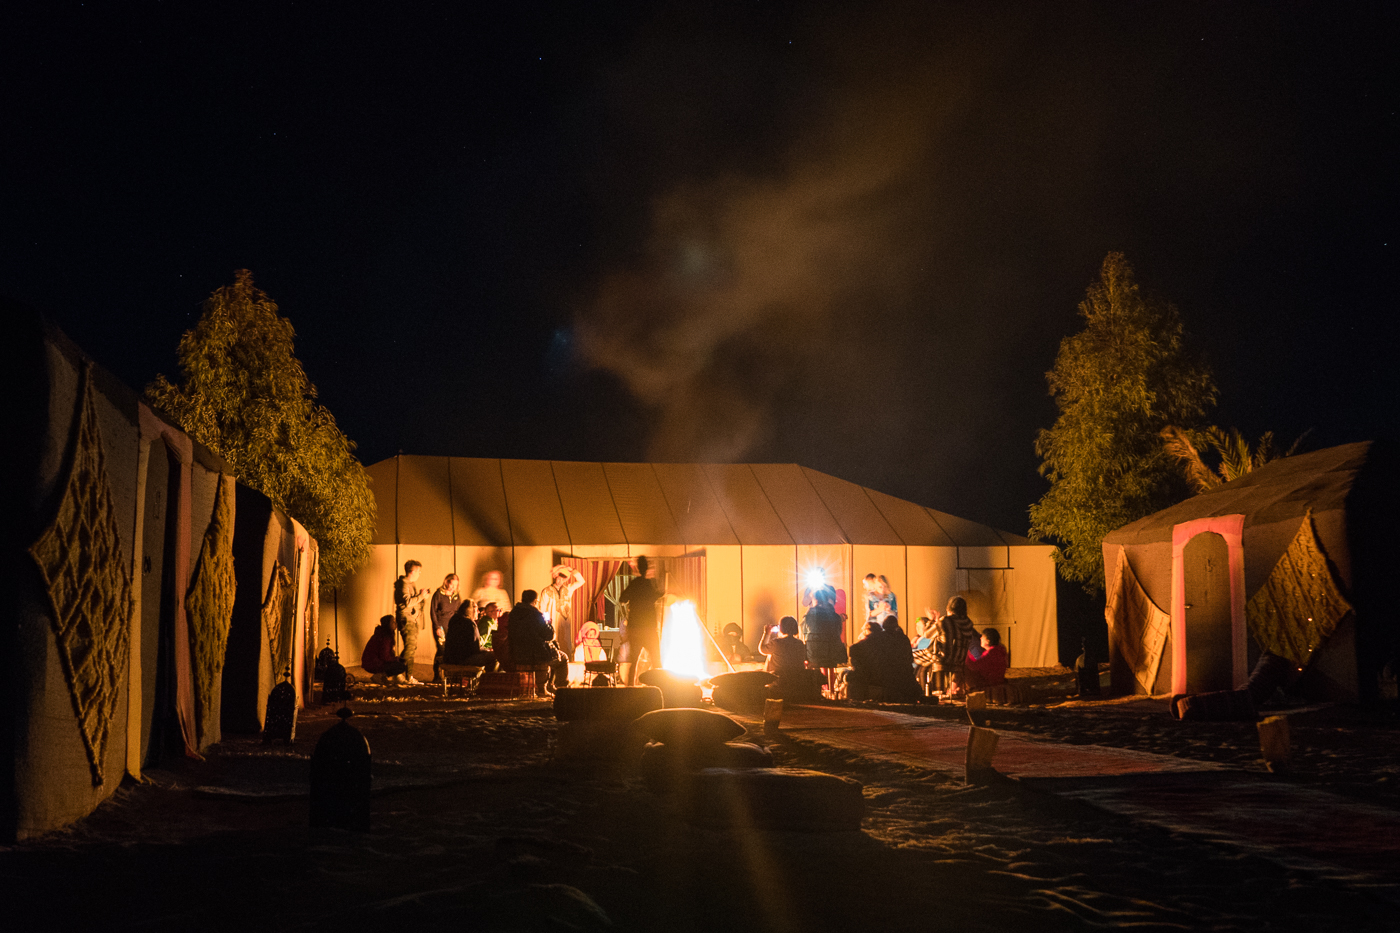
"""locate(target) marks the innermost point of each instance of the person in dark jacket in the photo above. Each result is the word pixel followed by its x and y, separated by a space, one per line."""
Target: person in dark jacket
pixel 643 630
pixel 821 630
pixel 901 684
pixel 787 657
pixel 463 644
pixel 866 663
pixel 444 605
pixel 532 642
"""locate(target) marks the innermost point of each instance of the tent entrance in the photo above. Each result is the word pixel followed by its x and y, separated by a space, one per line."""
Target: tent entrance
pixel 1209 660
pixel 605 578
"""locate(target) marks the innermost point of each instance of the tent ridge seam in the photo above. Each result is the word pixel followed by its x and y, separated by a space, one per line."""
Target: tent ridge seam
pixel 845 538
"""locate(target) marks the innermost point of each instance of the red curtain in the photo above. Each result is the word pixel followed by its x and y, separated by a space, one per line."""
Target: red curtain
pixel 586 605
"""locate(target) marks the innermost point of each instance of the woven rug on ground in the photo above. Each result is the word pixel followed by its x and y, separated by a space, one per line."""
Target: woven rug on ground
pixel 88 583
pixel 210 604
pixel 1300 605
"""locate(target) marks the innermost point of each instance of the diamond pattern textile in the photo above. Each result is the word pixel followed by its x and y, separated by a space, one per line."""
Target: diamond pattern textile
pixel 88 584
pixel 1299 606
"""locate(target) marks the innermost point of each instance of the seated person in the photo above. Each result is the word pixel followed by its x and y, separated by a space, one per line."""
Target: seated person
pixel 463 645
pixel 589 646
pixel 488 619
pixel 865 663
pixel 989 670
pixel 731 642
pixel 532 643
pixel 787 657
pixel 379 659
pixel 899 681
pixel 924 656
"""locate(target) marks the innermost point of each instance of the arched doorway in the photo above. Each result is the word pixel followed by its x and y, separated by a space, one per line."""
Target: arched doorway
pixel 1209 652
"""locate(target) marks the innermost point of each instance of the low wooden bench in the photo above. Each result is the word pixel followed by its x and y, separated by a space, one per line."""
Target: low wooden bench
pixel 515 683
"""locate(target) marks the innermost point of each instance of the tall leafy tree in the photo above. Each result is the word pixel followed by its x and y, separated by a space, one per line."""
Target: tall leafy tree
pixel 244 395
pixel 1117 384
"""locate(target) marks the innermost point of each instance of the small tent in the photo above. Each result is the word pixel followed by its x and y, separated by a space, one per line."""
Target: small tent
pixel 736 539
pixel 139 589
pixel 1291 558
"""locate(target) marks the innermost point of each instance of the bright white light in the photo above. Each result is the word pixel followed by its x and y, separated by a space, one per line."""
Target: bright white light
pixel 682 641
pixel 816 578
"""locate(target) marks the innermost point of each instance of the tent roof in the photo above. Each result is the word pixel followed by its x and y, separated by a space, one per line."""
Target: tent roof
pixel 500 503
pixel 1279 490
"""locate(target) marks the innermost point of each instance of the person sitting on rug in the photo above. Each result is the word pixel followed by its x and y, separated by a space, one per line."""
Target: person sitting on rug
pixel 989 670
pixel 787 657
pixel 532 643
pixel 864 672
pixel 731 642
pixel 898 669
pixel 379 659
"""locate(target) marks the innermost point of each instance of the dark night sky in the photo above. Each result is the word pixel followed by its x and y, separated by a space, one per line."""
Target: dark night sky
pixel 749 231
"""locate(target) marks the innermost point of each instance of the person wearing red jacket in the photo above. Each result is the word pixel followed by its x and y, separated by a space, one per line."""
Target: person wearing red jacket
pixel 379 658
pixel 990 669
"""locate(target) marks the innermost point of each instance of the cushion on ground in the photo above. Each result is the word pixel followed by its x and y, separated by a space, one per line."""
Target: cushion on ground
pixel 771 798
pixel 662 765
pixel 595 703
pixel 597 740
pixel 742 691
pixel 676 690
pixel 688 727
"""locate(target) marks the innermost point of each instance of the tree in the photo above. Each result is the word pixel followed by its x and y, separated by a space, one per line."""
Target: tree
pixel 245 396
pixel 1236 455
pixel 1117 384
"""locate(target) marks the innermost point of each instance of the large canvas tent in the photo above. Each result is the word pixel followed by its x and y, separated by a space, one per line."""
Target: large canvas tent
pixel 737 539
pixel 1292 557
pixel 145 621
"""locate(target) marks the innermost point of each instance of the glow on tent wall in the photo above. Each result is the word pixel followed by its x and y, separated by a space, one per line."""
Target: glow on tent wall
pixel 760 527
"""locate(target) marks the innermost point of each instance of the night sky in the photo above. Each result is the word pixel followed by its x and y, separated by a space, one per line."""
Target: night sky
pixel 792 232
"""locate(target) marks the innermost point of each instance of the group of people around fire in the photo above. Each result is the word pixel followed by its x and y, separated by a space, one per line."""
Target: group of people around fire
pixel 948 656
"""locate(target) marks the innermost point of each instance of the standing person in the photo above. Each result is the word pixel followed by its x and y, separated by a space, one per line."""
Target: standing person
pixel 445 604
pixel 490 591
pixel 532 643
pixel 880 600
pixel 410 605
pixel 643 633
pixel 821 630
pixel 555 603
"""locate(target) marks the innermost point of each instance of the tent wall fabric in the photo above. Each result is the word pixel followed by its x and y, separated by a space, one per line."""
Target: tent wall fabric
pixel 1333 510
pixel 123 567
pixel 741 537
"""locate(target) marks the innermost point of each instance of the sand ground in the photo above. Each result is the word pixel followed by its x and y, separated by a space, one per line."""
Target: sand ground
pixel 475 826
